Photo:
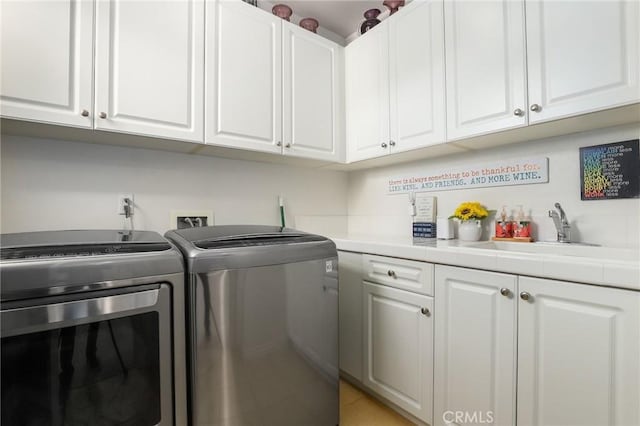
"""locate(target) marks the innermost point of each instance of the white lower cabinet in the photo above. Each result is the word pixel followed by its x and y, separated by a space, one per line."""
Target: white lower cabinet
pixel 578 354
pixel 475 347
pixel 398 347
pixel 577 357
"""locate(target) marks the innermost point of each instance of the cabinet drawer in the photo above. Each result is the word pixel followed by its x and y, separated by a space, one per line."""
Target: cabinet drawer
pixel 400 273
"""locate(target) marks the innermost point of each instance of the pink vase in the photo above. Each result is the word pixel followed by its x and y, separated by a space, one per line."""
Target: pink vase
pixel 393 5
pixel 309 24
pixel 282 11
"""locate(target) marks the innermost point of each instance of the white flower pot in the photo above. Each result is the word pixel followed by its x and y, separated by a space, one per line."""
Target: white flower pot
pixel 470 230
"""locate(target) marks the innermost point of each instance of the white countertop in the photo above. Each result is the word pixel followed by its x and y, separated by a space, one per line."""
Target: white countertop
pixel 594 265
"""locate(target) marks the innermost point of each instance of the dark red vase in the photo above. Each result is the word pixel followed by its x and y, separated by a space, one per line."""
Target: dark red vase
pixel 372 20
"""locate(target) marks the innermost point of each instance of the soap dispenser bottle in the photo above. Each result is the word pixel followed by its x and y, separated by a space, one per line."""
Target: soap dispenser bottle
pixel 504 226
pixel 522 225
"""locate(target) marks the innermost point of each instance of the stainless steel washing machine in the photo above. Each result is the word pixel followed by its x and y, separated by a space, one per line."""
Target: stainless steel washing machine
pixel 263 325
pixel 92 329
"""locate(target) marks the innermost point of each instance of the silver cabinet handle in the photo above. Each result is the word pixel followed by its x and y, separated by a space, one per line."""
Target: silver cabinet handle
pixel 518 112
pixel 425 311
pixel 84 113
pixel 536 108
pixel 392 273
pixel 383 144
pixel 103 115
pixel 525 296
pixel 392 143
pixel 278 143
pixel 505 292
pixel 288 145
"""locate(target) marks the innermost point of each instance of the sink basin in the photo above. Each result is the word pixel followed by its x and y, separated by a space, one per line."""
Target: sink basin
pixel 561 249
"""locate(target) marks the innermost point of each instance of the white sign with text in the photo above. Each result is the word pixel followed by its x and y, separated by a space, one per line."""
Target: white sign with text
pixel 503 173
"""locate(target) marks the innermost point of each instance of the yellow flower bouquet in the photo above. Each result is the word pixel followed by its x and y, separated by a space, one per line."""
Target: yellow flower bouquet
pixel 470 210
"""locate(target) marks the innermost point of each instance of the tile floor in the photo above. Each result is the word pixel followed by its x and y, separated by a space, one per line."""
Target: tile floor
pixel 359 409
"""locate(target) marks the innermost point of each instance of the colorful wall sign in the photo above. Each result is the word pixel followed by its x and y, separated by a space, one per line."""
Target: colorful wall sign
pixel 610 171
pixel 503 173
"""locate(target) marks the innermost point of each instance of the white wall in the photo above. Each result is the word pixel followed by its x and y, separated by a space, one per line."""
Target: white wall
pixel 612 223
pixel 50 184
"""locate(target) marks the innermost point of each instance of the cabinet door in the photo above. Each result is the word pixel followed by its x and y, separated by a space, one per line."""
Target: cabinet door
pixel 150 68
pixel 243 73
pixel 582 56
pixel 475 346
pixel 398 347
pixel 47 61
pixel 367 81
pixel 350 313
pixel 313 75
pixel 578 355
pixel 416 50
pixel 485 66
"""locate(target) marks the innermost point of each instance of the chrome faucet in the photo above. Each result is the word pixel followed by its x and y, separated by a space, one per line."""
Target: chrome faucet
pixel 562 224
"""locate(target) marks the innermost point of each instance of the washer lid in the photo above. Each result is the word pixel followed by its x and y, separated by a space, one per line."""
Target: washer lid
pixel 229 236
pixel 60 244
pixel 214 248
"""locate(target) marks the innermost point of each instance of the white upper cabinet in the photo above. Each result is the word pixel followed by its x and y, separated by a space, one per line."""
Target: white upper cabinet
pixel 47 61
pixel 367 84
pixel 485 66
pixel 475 346
pixel 243 77
pixel 417 94
pixel 150 68
pixel 272 86
pixel 578 354
pixel 582 56
pixel 395 84
pixel 313 103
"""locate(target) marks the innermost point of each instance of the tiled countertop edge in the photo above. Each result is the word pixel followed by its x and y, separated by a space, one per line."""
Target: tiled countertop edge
pixel 602 272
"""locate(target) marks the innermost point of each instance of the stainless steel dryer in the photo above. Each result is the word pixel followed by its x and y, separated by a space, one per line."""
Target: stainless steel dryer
pixel 92 328
pixel 263 325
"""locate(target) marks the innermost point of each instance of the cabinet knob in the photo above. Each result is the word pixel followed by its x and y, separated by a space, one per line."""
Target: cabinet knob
pixel 288 145
pixel 525 296
pixel 383 144
pixel 278 143
pixel 505 292
pixel 518 112
pixel 84 113
pixel 425 311
pixel 392 143
pixel 103 115
pixel 392 273
pixel 536 108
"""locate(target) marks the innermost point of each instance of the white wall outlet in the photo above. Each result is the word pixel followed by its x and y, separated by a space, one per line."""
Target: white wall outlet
pixel 121 203
pixel 176 216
